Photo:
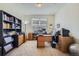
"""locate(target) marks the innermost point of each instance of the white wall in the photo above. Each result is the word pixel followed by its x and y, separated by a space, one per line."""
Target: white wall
pixel 11 9
pixel 68 17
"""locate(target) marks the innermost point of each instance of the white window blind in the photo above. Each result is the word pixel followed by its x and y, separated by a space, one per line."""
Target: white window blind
pixel 39 23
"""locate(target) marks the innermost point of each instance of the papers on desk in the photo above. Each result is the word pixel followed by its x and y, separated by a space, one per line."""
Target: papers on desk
pixel 47 35
pixel 8 39
pixel 8 47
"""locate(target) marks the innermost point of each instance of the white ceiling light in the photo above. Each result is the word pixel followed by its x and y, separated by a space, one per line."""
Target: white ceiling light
pixel 39 5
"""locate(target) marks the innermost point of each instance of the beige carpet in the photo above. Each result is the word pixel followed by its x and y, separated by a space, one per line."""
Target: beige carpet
pixel 29 48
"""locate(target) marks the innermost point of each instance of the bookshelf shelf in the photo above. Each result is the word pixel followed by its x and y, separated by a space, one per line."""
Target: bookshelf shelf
pixel 8 21
pixel 9 26
pixel 7 36
pixel 7 43
pixel 8 29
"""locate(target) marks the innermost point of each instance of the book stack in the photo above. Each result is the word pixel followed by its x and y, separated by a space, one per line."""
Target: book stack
pixel 6 26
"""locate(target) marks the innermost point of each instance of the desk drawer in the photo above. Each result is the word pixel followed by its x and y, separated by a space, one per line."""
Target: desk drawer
pixel 48 38
pixel 40 44
pixel 41 39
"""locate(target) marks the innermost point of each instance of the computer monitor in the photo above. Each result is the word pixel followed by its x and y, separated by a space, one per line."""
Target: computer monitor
pixel 65 32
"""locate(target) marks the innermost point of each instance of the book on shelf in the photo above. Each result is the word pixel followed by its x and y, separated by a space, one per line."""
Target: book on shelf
pixel 16 21
pixel 17 27
pixel 13 26
pixel 4 17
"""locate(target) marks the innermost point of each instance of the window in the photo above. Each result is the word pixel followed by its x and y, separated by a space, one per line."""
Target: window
pixel 39 23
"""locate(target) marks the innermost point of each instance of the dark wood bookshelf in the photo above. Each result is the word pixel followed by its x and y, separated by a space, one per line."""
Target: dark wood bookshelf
pixel 8 24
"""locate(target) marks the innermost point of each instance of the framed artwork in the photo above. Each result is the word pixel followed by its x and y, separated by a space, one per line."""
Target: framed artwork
pixel 58 25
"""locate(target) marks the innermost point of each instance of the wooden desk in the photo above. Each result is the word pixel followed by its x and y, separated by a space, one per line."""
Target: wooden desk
pixel 48 38
pixel 41 39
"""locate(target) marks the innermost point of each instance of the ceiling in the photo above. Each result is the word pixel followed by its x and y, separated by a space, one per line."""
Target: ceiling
pixel 31 9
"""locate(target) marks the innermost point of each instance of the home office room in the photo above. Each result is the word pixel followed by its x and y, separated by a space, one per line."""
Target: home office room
pixel 39 29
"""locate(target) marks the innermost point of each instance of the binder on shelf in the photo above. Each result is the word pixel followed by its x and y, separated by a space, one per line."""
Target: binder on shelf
pixel 8 39
pixel 4 17
pixel 8 47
